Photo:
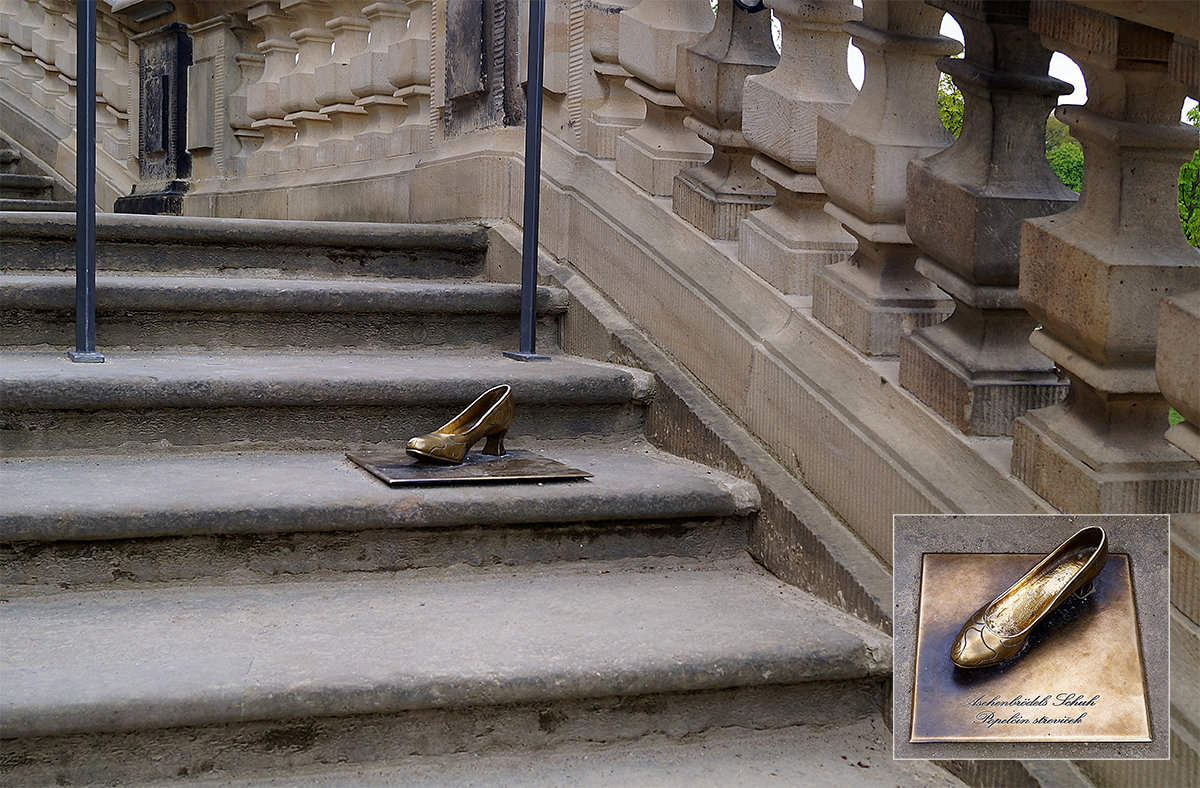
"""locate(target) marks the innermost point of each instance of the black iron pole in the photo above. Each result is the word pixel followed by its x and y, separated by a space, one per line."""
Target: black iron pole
pixel 85 185
pixel 533 180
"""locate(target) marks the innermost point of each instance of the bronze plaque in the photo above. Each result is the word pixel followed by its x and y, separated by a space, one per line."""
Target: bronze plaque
pixel 518 465
pixel 1079 678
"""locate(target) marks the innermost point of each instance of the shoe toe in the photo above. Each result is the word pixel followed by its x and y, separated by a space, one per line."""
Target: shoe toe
pixel 977 646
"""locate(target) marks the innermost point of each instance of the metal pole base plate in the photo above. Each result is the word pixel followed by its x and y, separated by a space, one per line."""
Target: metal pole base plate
pixel 520 356
pixel 86 356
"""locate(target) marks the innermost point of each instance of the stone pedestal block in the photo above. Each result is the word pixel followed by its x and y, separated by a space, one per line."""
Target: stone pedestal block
pixel 788 242
pixel 652 154
pixel 877 296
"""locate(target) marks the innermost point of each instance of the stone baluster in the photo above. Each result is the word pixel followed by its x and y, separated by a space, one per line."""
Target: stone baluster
pixel 262 97
pixel 965 207
pixel 28 17
pixel 53 31
pixel 409 72
pixel 862 151
pixel 65 61
pixel 371 86
pixel 350 36
pixel 10 59
pixel 794 238
pixel 1093 277
pixel 298 88
pixel 650 34
pixel 112 87
pixel 250 65
pixel 710 80
pixel 619 109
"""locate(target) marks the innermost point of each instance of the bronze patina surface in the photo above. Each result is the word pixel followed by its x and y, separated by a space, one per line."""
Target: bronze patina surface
pixel 398 469
pixel 1079 678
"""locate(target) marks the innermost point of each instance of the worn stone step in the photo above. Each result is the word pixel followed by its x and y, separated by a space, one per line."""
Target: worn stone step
pixel 36 241
pixel 115 686
pixel 76 522
pixel 142 312
pixel 15 186
pixel 855 753
pixel 10 204
pixel 308 399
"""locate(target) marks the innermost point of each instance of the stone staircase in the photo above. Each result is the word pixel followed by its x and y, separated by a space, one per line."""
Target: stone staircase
pixel 197 586
pixel 24 187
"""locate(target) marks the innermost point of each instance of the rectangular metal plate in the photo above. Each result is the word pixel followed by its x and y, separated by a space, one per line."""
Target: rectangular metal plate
pixel 1080 677
pixel 518 465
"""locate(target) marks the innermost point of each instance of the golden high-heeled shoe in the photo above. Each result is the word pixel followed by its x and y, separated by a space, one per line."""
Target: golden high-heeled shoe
pixel 489 417
pixel 998 630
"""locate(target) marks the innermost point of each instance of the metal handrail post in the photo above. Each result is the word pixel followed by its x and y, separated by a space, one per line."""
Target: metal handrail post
pixel 85 185
pixel 533 180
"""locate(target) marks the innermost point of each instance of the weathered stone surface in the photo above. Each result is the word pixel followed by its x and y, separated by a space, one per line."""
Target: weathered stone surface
pixel 148 518
pixel 652 154
pixel 876 296
pixel 1091 275
pixel 710 79
pixel 977 369
pixel 789 241
pixel 619 110
pixel 1177 367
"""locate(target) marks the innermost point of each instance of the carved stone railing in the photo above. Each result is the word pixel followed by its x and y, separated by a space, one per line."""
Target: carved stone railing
pixel 876 215
pixel 1093 278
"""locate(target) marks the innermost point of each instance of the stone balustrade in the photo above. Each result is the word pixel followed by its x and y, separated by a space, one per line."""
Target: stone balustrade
pixel 1092 276
pixel 877 295
pixel 941 255
pixel 619 109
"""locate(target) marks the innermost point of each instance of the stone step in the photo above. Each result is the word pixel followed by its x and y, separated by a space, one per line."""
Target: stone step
pixel 314 399
pixel 25 187
pixel 116 686
pixel 36 241
pixel 854 753
pixel 7 204
pixel 74 522
pixel 144 312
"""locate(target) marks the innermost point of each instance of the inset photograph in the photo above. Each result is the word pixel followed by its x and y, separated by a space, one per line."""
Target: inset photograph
pixel 1031 636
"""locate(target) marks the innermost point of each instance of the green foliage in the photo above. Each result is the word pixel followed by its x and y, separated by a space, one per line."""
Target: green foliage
pixel 1174 417
pixel 1064 154
pixel 1189 190
pixel 950 105
pixel 1066 159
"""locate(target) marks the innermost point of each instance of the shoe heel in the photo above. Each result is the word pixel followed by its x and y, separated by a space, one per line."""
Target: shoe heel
pixel 1085 590
pixel 495 445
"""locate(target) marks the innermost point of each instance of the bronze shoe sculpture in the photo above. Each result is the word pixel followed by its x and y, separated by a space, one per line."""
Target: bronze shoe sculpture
pixel 489 416
pixel 998 630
